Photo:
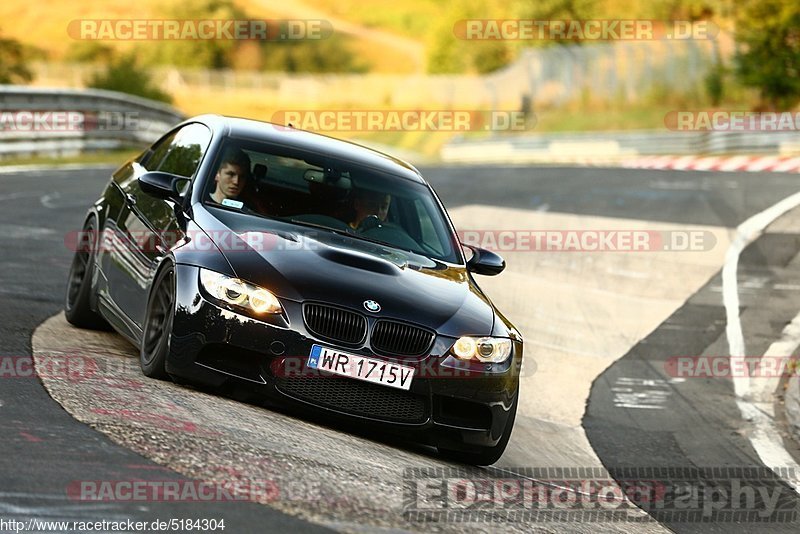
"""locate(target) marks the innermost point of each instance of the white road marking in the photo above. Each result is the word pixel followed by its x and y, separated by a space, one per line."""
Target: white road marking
pixel 18 231
pixel 757 406
pixel 47 200
pixel 20 194
pixel 643 393
pixel 746 232
pixel 786 287
pixel 764 437
pixel 628 273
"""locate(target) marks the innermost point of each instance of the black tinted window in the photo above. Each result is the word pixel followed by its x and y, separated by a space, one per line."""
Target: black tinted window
pixel 186 150
pixel 157 152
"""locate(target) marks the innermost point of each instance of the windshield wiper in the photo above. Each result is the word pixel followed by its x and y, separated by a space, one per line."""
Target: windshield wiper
pixel 315 225
pixel 355 235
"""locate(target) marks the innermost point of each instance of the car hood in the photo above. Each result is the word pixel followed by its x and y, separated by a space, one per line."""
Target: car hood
pixel 307 264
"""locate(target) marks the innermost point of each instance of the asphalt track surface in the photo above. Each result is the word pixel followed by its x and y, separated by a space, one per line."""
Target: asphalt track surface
pixel 43 449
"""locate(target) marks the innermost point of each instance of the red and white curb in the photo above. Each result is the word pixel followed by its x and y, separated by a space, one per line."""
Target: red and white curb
pixel 716 163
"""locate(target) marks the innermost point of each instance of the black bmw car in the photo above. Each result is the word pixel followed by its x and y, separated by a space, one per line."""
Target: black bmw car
pixel 318 273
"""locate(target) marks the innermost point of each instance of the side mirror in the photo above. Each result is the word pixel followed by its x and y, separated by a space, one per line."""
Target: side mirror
pixel 484 261
pixel 162 185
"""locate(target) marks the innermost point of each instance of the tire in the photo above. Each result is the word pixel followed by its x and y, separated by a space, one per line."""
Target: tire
pixel 485 455
pixel 155 346
pixel 77 298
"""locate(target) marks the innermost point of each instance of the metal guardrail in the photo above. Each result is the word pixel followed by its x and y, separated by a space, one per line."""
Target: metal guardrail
pixel 613 146
pixel 46 121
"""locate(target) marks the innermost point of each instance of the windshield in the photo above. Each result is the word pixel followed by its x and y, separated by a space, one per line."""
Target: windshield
pixel 312 190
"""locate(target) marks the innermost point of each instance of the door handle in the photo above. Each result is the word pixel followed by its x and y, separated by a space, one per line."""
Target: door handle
pixel 130 199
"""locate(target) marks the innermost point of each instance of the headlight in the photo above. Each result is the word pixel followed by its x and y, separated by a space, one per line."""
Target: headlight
pixel 483 349
pixel 239 293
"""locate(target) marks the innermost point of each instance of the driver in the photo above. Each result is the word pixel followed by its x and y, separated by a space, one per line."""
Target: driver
pixel 232 176
pixel 366 203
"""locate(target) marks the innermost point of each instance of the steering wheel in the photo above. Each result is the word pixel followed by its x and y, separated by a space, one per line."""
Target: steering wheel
pixel 368 223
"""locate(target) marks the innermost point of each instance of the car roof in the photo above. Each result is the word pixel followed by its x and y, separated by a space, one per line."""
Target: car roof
pixel 312 142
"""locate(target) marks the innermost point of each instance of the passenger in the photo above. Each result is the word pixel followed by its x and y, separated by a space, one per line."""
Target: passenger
pixel 366 203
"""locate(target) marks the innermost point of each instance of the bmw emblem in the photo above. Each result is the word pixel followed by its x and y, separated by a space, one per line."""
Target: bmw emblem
pixel 372 306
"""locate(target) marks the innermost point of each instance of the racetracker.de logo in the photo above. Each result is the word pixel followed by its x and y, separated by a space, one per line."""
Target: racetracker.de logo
pixel 25 120
pixel 583 30
pixel 722 366
pixel 590 240
pixel 199 29
pixel 732 121
pixel 410 120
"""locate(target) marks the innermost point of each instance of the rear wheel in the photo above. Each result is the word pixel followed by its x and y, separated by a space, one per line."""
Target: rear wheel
pixel 158 324
pixel 77 308
pixel 485 455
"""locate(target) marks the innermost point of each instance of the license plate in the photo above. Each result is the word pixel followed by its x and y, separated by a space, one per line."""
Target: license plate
pixel 359 367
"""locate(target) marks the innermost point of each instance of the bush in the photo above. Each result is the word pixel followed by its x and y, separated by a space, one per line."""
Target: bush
pixel 768 32
pixel 124 74
pixel 13 62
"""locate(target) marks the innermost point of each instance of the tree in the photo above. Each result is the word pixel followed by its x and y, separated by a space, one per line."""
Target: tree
pixel 13 62
pixel 124 74
pixel 331 54
pixel 768 33
pixel 202 53
pixel 451 53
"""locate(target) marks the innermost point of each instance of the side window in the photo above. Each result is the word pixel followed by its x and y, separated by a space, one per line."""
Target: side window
pixel 157 152
pixel 186 150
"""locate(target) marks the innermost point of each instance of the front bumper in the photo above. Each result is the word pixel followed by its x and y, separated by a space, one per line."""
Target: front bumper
pixel 447 404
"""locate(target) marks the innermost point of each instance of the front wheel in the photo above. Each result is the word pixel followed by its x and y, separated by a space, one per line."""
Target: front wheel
pixel 77 307
pixel 485 455
pixel 158 325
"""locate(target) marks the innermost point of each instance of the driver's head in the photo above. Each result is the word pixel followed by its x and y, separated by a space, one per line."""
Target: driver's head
pixel 232 175
pixel 366 203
